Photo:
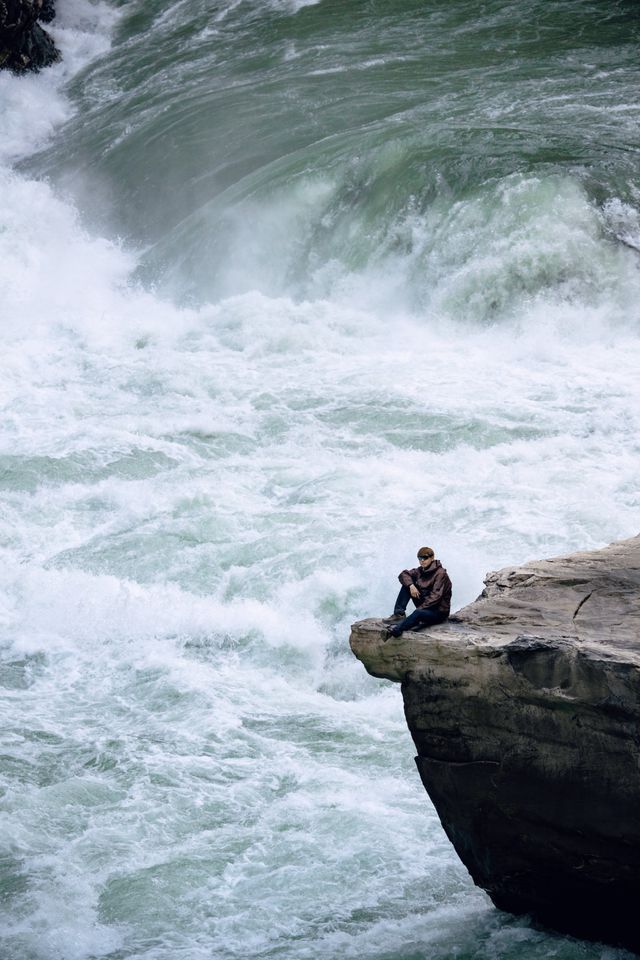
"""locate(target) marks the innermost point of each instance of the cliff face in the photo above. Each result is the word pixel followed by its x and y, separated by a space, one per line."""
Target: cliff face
pixel 24 45
pixel 525 712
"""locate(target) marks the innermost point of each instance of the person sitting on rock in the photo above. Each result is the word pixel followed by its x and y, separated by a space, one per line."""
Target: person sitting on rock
pixel 429 587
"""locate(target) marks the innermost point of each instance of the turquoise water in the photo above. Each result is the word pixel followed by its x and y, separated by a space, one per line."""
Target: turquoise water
pixel 289 289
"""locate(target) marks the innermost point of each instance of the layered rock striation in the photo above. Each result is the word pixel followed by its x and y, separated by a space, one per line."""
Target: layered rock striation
pixel 525 712
pixel 24 44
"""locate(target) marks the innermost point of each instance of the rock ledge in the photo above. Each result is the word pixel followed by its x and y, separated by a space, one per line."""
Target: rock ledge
pixel 525 712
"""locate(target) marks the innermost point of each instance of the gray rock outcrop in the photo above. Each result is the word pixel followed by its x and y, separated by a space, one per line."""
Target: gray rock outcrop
pixel 525 712
pixel 24 44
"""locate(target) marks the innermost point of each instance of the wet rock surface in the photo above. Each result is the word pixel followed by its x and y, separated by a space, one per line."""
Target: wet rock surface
pixel 24 44
pixel 525 711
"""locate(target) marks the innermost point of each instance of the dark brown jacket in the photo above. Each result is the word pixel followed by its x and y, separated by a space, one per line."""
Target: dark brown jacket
pixel 434 586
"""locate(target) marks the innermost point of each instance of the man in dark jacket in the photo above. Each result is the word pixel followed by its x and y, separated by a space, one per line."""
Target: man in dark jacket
pixel 429 587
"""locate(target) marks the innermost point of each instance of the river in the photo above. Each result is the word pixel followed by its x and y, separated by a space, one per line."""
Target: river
pixel 289 288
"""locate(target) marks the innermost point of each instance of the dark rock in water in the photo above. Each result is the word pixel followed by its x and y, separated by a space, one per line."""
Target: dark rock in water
pixel 525 711
pixel 47 11
pixel 24 45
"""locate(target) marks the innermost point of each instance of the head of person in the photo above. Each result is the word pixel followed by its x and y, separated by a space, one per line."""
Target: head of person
pixel 426 556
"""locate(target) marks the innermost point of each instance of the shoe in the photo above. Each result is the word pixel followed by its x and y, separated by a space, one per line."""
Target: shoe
pixel 394 618
pixel 391 632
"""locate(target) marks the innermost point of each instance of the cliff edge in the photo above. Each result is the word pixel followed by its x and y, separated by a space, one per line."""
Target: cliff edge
pixel 525 712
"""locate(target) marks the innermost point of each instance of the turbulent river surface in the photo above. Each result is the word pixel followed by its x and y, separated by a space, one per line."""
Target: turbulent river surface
pixel 288 289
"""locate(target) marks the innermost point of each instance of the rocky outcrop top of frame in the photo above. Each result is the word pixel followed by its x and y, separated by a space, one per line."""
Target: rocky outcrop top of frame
pixel 525 712
pixel 24 43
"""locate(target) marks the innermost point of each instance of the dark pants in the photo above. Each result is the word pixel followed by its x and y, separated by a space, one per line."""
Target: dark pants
pixel 403 599
pixel 418 619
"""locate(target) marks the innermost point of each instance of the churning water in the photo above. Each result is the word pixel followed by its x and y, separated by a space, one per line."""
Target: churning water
pixel 289 289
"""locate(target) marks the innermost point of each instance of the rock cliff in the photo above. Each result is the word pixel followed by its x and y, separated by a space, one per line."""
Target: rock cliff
pixel 24 45
pixel 525 712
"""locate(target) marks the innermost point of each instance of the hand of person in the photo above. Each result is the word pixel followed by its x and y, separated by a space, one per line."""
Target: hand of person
pixel 413 590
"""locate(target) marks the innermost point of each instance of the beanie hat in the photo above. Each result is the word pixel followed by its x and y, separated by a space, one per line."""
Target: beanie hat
pixel 425 552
